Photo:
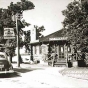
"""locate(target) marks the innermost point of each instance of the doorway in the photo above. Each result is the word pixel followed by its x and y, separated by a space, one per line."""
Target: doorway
pixel 60 52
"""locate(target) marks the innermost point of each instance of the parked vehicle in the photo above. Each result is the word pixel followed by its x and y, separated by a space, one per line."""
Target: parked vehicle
pixel 5 65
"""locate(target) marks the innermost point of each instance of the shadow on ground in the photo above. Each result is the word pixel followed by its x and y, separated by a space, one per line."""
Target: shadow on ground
pixel 10 75
pixel 17 72
pixel 24 70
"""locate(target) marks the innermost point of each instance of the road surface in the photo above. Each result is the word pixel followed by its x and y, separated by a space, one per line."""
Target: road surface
pixel 41 77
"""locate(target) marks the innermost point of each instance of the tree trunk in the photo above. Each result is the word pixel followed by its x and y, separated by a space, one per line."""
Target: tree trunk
pixel 9 59
pixel 20 59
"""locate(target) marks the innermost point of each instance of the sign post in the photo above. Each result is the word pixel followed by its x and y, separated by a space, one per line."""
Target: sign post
pixel 18 56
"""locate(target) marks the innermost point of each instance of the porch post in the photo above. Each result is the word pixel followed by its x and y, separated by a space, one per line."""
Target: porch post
pixel 53 54
pixel 31 53
pixel 53 59
pixel 66 54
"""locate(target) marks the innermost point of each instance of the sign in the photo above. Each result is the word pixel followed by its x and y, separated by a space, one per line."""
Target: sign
pixel 58 38
pixel 9 33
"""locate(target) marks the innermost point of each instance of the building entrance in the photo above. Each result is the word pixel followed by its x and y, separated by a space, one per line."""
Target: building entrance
pixel 60 52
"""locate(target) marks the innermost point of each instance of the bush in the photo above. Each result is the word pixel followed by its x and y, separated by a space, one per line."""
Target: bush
pixel 81 63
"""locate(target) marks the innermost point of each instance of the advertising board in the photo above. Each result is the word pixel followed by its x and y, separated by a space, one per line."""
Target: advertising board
pixel 9 33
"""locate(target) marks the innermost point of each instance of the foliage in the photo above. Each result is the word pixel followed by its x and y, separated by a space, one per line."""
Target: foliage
pixel 19 7
pixel 13 9
pixel 25 23
pixel 75 24
pixel 10 49
pixel 27 39
pixel 6 14
pixel 27 36
pixel 38 31
pixel 7 21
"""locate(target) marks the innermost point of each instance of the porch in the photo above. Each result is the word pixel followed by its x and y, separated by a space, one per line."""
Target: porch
pixel 53 48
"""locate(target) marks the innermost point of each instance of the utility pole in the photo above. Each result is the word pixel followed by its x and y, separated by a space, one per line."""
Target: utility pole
pixel 18 52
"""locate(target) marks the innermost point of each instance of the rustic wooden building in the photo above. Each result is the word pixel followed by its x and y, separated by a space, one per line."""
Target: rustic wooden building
pixel 53 43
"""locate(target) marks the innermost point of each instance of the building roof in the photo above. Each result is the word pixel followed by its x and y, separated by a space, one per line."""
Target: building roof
pixel 47 38
pixel 56 36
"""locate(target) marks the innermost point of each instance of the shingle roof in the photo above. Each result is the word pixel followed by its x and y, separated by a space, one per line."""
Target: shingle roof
pixel 53 35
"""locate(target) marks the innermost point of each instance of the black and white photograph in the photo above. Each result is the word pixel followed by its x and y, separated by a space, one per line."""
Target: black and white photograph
pixel 43 43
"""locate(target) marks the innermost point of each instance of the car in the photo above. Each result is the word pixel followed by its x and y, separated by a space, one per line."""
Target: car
pixel 5 65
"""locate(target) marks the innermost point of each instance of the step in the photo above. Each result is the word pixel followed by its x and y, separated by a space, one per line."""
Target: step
pixel 59 63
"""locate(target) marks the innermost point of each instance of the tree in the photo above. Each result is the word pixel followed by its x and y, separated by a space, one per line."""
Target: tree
pixel 19 7
pixel 7 21
pixel 38 31
pixel 75 24
pixel 10 50
pixel 6 14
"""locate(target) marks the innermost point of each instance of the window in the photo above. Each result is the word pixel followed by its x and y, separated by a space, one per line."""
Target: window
pixel 69 49
pixel 61 51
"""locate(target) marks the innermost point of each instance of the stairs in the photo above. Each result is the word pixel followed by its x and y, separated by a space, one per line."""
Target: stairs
pixel 57 64
pixel 60 63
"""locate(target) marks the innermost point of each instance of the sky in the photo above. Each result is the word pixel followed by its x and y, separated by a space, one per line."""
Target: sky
pixel 47 13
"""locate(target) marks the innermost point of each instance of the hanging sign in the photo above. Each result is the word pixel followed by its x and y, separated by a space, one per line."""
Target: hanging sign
pixel 9 33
